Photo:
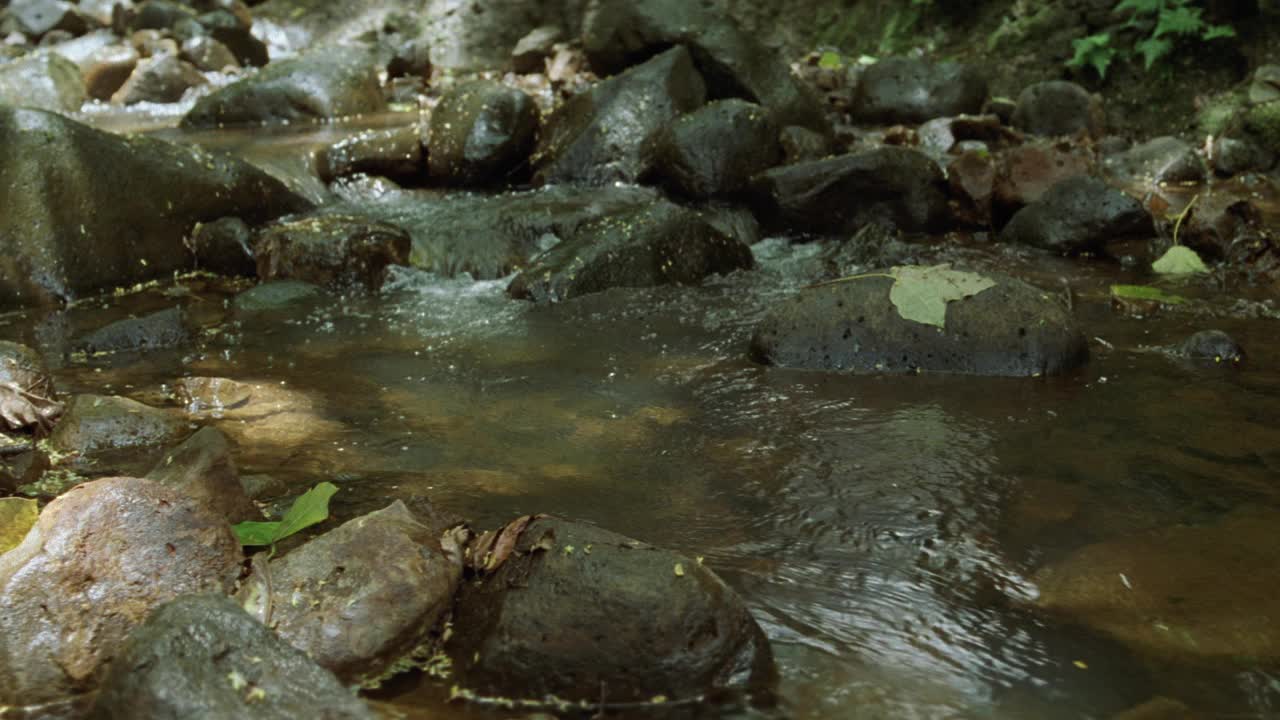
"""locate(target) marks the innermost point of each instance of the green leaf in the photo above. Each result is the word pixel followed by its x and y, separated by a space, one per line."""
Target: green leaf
pixel 921 294
pixel 17 516
pixel 1152 49
pixel 1139 7
pixel 1179 260
pixel 310 508
pixel 1179 20
pixel 1094 51
pixel 830 61
pixel 1214 32
pixel 1145 292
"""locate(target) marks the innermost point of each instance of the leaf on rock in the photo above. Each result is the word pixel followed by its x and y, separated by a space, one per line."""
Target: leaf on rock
pixel 830 61
pixel 17 516
pixel 1145 292
pixel 921 294
pixel 1179 260
pixel 310 508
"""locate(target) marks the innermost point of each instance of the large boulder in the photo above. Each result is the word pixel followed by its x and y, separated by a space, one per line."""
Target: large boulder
pixel 1057 107
pixel 201 468
pixel 564 609
pixel 1010 329
pixel 86 210
pixel 910 90
pixel 619 33
pixel 658 244
pixel 363 597
pixel 337 251
pixel 203 656
pixel 714 151
pixel 326 83
pixel 98 560
pixel 843 193
pixel 1079 214
pixel 606 134
pixel 482 132
pixel 43 81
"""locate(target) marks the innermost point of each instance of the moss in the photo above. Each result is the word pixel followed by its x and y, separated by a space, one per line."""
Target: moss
pixel 1264 122
pixel 1220 112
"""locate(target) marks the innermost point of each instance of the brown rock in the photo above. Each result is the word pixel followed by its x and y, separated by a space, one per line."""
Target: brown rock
pixel 202 469
pixel 107 69
pixel 1025 173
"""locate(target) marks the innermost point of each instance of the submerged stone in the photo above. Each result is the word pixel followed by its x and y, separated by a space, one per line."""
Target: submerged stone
pixel 157 330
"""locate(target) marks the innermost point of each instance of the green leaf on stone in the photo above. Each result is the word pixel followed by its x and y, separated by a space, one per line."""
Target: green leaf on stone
pixel 310 508
pixel 17 516
pixel 1145 292
pixel 1179 260
pixel 830 61
pixel 921 294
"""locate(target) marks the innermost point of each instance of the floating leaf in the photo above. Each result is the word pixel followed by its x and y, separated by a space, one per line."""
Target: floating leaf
pixel 921 294
pixel 1179 260
pixel 310 508
pixel 1145 292
pixel 17 515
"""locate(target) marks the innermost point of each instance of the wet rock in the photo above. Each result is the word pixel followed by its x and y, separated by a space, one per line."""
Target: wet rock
pixel 116 208
pixel 480 34
pixel 1265 85
pixel 800 144
pixel 396 153
pixel 410 58
pixel 1263 121
pixel 45 81
pixel 98 422
pixel 107 69
pixel 224 246
pixel 910 90
pixel 202 469
pixel 233 32
pixel 660 244
pixel 1011 329
pixel 203 656
pixel 605 134
pixel 1024 174
pixel 362 597
pixel 972 179
pixel 1057 107
pixel 954 134
pixel 573 608
pixel 340 252
pixel 1161 160
pixel 163 329
pixel 274 296
pixel 1158 708
pixel 208 54
pixel 37 17
pixel 159 79
pixel 1232 157
pixel 1211 345
pixel 25 368
pixel 99 559
pixel 1080 214
pixel 482 133
pixel 531 52
pixel 715 150
pixel 327 83
pixel 619 33
pixel 1201 593
pixel 841 194
pixel 159 15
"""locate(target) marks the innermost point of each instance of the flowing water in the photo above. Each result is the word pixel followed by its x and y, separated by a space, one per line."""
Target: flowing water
pixel 884 530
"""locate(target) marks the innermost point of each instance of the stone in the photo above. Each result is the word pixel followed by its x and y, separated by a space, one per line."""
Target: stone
pixel 208 54
pixel 1214 346
pixel 1232 157
pixel 714 151
pixel 37 17
pixel 42 81
pixel 116 207
pixel 340 252
pixel 94 423
pixel 606 134
pixel 360 598
pixel 99 559
pixel 659 244
pixel 327 83
pixel 800 144
pixel 233 32
pixel 573 608
pixel 842 193
pixel 202 469
pixel 159 15
pixel 1057 107
pixel 1079 214
pixel 910 90
pixel 411 58
pixel 159 79
pixel 396 153
pixel 1159 160
pixel 619 33
pixel 154 331
pixel 224 246
pixel 1012 329
pixel 482 133
pixel 972 177
pixel 1025 173
pixel 531 51
pixel 107 69
pixel 204 656
pixel 274 296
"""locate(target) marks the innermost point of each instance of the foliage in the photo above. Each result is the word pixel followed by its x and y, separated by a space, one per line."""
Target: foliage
pixel 921 294
pixel 310 508
pixel 847 28
pixel 1160 24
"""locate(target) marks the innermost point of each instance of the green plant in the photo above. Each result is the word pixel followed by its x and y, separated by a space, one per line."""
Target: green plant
pixel 1159 24
pixel 310 508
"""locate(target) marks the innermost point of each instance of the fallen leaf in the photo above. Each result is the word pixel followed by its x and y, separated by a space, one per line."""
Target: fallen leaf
pixel 1180 260
pixel 17 516
pixel 921 294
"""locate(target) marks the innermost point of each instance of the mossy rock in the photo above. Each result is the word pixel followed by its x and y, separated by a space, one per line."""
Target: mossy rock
pixel 1264 122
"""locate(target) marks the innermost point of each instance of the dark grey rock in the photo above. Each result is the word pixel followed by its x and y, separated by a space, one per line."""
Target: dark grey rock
pixel 800 144
pixel 224 246
pixel 1232 157
pixel 162 329
pixel 208 54
pixel 1079 214
pixel 341 252
pixel 274 296
pixel 843 193
pixel 1160 160
pixel 575 608
pixel 910 90
pixel 234 34
pixel 43 81
pixel 659 244
pixel 202 469
pixel 99 559
pixel 203 656
pixel 482 133
pixel 94 423
pixel 715 150
pixel 396 153
pixel 606 134
pixel 1057 107
pixel 1211 345
pixel 1011 329
pixel 327 83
